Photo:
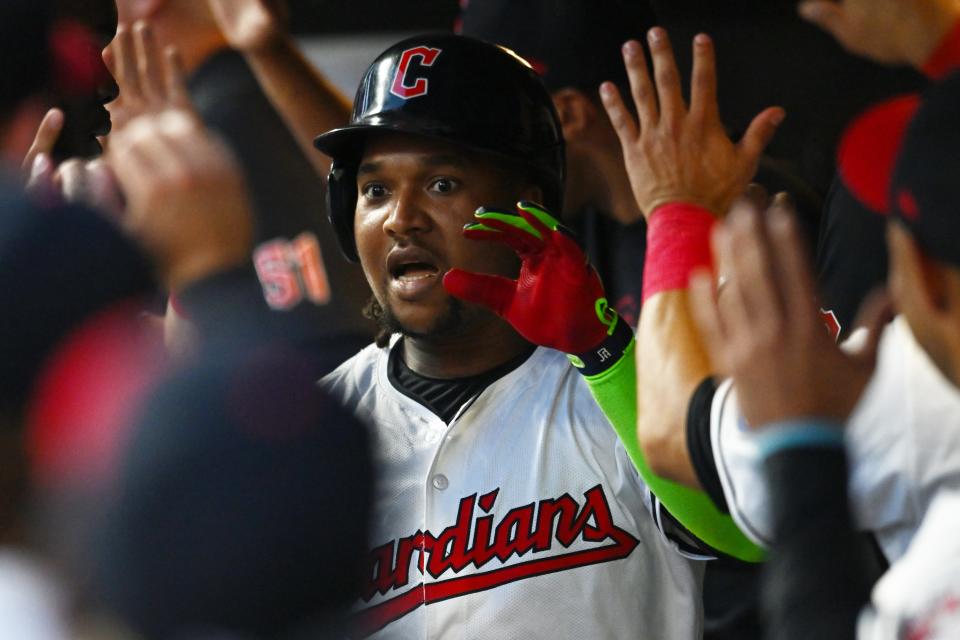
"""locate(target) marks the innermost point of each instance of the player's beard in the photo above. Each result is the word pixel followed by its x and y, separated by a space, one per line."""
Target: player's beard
pixel 449 322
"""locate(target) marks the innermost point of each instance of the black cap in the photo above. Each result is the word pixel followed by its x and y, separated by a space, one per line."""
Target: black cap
pixel 925 190
pixel 574 43
pixel 58 267
pixel 243 503
pixel 901 158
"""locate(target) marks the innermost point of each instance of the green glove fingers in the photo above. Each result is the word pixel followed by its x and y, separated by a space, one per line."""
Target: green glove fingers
pixel 515 220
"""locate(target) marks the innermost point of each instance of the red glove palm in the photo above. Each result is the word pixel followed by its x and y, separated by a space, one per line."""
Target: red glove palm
pixel 557 301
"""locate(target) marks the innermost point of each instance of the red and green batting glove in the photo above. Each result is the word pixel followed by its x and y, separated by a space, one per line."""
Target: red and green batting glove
pixel 557 301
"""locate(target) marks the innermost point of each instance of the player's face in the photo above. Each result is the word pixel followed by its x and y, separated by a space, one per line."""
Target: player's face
pixel 414 196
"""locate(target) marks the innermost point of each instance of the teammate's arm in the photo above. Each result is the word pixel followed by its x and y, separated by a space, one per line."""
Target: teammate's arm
pixel 306 101
pixel 796 388
pixel 922 33
pixel 685 173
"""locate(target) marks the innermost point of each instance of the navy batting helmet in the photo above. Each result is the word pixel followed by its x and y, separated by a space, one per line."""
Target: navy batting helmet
pixel 453 88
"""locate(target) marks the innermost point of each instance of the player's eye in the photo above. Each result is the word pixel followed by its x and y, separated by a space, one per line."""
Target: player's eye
pixel 373 191
pixel 443 185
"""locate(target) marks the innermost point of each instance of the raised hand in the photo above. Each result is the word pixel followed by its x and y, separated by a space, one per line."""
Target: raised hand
pixel 150 80
pixel 557 301
pixel 887 31
pixel 676 153
pixel 249 25
pixel 766 331
pixel 187 203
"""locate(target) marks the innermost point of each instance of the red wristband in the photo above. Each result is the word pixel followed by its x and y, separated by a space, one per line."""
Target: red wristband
pixel 678 242
pixel 946 57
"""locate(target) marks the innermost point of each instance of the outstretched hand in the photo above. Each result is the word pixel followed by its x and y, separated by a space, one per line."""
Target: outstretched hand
pixel 150 80
pixel 676 153
pixel 887 31
pixel 249 25
pixel 557 301
pixel 766 332
pixel 187 203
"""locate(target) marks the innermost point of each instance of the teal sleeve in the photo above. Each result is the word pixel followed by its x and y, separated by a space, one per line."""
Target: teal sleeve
pixel 615 391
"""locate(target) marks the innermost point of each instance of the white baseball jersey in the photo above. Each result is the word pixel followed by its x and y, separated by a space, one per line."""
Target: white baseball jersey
pixel 919 597
pixel 903 447
pixel 522 518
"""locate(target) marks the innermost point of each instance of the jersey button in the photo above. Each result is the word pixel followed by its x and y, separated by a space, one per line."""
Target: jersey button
pixel 440 482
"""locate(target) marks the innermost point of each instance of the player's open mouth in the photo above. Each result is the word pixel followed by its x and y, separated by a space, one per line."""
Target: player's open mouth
pixel 412 271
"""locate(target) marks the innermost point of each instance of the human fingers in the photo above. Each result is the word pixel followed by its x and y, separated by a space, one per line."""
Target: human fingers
pixel 755 195
pixel 541 221
pixel 796 275
pixel 641 86
pixel 127 75
pixel 104 188
pixel 753 268
pixel 620 117
pixel 149 64
pixel 703 84
pixel 706 315
pixel 71 177
pixel 758 136
pixel 492 230
pixel 669 91
pixel 493 292
pixel 175 81
pixel 44 141
pixel 40 183
pixel 734 311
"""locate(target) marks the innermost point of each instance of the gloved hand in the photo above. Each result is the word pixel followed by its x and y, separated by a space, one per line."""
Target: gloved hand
pixel 557 301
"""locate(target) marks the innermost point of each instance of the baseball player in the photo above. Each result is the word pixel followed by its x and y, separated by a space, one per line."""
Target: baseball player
pixel 506 505
pixel 795 394
pixel 698 436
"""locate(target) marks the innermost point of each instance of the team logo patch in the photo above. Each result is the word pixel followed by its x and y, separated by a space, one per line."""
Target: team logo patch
pixel 405 85
pixel 830 321
pixel 474 541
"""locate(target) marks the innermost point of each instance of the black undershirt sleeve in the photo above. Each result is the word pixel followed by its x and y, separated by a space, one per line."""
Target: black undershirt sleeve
pixel 699 445
pixel 820 570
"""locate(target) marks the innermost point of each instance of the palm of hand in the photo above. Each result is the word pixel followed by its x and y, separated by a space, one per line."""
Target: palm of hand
pixel 247 24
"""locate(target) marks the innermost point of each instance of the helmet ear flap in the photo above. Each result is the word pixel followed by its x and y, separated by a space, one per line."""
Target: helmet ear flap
pixel 341 206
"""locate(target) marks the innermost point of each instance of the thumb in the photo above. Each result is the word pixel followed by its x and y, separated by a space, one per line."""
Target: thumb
pixel 492 292
pixel 760 133
pixel 875 312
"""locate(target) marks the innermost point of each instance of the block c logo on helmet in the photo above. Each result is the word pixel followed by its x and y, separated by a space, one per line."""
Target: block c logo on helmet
pixel 400 87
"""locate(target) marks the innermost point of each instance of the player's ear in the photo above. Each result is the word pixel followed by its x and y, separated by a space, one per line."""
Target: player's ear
pixel 576 112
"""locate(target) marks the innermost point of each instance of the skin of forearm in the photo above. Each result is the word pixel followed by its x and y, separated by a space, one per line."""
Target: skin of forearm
pixel 307 102
pixel 670 365
pixel 935 20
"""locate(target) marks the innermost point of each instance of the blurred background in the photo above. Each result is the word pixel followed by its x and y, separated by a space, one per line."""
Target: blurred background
pixel 767 55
